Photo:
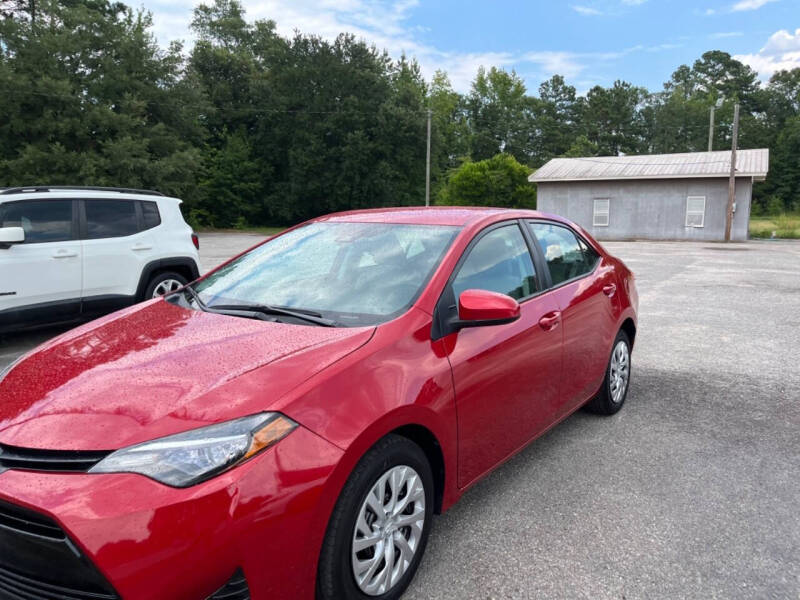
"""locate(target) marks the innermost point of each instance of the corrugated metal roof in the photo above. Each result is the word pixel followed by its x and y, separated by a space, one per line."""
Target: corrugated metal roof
pixel 749 163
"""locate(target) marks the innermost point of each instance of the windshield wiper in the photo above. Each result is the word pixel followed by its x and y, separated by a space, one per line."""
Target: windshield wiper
pixel 267 309
pixel 256 310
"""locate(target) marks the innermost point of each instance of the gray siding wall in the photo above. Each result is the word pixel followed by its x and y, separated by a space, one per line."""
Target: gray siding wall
pixel 649 209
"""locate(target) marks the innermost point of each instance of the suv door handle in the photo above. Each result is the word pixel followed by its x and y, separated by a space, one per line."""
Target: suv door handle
pixel 610 289
pixel 141 247
pixel 64 254
pixel 550 321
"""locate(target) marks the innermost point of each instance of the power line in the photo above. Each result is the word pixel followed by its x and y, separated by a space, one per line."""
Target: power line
pixel 210 107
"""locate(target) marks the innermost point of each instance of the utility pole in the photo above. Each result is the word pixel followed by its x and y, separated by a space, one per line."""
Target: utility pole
pixel 711 131
pixel 428 165
pixel 732 180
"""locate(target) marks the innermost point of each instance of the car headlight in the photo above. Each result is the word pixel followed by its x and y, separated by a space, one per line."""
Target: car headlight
pixel 188 458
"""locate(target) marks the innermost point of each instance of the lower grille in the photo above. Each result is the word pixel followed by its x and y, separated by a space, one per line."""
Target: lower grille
pixel 16 518
pixel 38 561
pixel 15 586
pixel 235 589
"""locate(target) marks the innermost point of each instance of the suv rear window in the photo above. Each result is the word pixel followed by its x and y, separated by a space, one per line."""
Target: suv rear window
pixel 110 218
pixel 43 220
pixel 150 215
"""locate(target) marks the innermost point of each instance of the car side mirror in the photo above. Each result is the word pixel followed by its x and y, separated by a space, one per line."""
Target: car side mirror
pixel 479 308
pixel 10 236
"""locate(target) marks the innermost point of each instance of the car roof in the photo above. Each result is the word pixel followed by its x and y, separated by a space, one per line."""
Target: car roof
pixel 460 216
pixel 83 188
pixel 16 194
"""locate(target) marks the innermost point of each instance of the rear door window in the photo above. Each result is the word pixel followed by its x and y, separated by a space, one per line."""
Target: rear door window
pixel 110 219
pixel 43 220
pixel 567 255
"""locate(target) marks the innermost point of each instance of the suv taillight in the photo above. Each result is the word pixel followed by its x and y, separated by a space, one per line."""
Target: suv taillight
pixel 196 241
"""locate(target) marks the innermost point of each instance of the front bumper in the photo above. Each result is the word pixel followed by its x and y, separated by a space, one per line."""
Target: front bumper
pixel 137 539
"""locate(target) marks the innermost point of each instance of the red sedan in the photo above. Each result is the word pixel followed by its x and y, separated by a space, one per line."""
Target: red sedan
pixel 287 426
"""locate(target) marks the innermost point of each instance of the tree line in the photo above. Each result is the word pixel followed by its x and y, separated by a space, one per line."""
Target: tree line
pixel 252 128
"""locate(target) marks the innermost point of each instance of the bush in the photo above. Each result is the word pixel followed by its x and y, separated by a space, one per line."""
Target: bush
pixel 774 205
pixel 499 181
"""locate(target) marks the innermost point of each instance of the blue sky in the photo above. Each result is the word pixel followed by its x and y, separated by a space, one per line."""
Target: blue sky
pixel 588 41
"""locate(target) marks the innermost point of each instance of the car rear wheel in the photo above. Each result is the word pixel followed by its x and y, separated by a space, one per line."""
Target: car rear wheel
pixel 163 284
pixel 614 390
pixel 379 528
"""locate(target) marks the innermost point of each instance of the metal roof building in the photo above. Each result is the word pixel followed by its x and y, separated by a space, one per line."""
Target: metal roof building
pixel 658 196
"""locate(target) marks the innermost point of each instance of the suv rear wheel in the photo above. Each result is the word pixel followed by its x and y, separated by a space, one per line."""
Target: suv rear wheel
pixel 164 283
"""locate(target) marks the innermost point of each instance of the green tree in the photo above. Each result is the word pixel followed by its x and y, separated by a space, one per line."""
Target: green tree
pixel 89 98
pixel 450 132
pixel 498 181
pixel 581 147
pixel 556 119
pixel 500 115
pixel 784 178
pixel 717 73
pixel 230 185
pixel 610 118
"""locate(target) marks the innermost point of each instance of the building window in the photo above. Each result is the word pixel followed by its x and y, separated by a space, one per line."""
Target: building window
pixel 695 211
pixel 600 218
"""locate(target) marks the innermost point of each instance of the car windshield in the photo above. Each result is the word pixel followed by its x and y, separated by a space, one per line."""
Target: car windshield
pixel 352 273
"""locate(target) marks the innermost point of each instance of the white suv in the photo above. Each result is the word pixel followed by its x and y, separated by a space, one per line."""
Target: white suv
pixel 73 253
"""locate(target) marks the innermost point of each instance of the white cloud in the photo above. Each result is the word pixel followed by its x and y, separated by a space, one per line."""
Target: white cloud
pixel 586 10
pixel 749 5
pixel 725 34
pixel 781 52
pixel 388 24
pixel 633 2
pixel 384 24
pixel 568 64
pixel 662 47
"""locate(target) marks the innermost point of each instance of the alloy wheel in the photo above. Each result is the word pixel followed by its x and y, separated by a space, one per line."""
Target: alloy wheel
pixel 166 287
pixel 388 530
pixel 619 371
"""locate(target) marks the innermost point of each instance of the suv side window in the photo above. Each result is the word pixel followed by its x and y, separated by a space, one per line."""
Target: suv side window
pixel 43 220
pixel 566 254
pixel 110 218
pixel 150 215
pixel 498 262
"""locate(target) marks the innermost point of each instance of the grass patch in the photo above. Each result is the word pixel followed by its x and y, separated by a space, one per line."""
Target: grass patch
pixel 785 226
pixel 259 230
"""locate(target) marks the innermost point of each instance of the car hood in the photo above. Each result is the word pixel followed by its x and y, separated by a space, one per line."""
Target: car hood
pixel 158 369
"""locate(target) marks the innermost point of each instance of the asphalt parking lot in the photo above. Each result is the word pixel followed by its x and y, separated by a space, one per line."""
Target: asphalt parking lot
pixel 692 491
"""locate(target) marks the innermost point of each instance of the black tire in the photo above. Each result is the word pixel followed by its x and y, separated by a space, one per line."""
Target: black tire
pixel 603 403
pixel 335 578
pixel 159 278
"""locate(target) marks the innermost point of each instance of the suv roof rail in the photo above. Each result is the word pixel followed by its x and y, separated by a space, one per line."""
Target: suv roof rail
pixel 90 188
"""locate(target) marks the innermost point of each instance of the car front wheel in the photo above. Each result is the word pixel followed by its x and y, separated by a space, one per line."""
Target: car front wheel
pixel 379 528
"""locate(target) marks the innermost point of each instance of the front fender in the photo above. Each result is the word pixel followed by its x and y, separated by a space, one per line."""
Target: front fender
pixel 400 378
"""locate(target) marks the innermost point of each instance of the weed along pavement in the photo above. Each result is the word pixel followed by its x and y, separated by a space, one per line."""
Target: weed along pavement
pixel 690 492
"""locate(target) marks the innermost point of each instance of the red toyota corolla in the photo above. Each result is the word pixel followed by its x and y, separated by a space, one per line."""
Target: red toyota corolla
pixel 286 426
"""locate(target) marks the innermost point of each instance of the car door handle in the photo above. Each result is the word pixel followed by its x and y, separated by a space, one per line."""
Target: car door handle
pixel 141 247
pixel 610 289
pixel 64 254
pixel 550 321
